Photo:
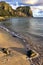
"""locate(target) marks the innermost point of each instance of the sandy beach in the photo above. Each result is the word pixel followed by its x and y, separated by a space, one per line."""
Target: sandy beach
pixel 18 56
pixel 17 50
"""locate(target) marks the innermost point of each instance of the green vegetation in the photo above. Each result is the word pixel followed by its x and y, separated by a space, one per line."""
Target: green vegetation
pixel 26 10
pixel 6 11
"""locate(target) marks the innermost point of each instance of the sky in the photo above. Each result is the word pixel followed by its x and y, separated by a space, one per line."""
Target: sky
pixel 35 5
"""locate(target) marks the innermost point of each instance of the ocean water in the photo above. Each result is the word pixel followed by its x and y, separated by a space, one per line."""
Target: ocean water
pixel 30 27
pixel 26 25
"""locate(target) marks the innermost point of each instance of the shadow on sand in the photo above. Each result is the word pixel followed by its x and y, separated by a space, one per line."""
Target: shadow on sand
pixel 20 50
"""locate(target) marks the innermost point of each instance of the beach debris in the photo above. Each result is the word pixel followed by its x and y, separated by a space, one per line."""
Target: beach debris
pixel 31 54
pixel 6 54
pixel 5 50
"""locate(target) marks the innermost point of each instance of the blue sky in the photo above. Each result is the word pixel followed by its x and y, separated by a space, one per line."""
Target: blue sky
pixel 35 5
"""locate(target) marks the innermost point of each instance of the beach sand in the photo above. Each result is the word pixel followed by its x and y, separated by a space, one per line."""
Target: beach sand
pixel 17 56
pixel 17 49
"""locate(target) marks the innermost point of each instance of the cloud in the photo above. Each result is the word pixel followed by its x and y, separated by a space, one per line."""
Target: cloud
pixel 35 5
pixel 30 1
pixel 33 2
pixel 25 2
pixel 37 11
pixel 14 7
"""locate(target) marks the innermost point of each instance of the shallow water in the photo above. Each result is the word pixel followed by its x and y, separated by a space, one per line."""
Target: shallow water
pixel 32 27
pixel 26 25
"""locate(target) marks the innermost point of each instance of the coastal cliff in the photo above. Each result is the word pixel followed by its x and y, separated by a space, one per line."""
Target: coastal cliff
pixel 7 11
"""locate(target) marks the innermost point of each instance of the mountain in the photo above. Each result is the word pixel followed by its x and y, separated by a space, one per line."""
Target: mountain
pixel 7 11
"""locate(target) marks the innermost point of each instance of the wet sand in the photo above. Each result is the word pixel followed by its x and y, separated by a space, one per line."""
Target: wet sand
pixel 36 43
pixel 17 56
pixel 18 51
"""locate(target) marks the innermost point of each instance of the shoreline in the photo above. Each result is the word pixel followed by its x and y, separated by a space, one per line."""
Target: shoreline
pixel 9 38
pixel 13 34
pixel 18 43
pixel 2 18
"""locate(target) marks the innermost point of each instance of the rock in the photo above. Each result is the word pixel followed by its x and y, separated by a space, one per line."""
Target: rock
pixel 32 54
pixel 6 51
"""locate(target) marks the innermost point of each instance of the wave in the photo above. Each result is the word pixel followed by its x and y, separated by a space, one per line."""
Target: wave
pixel 35 35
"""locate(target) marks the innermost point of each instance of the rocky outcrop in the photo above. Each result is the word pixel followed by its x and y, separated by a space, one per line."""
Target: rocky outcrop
pixel 26 10
pixel 6 11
